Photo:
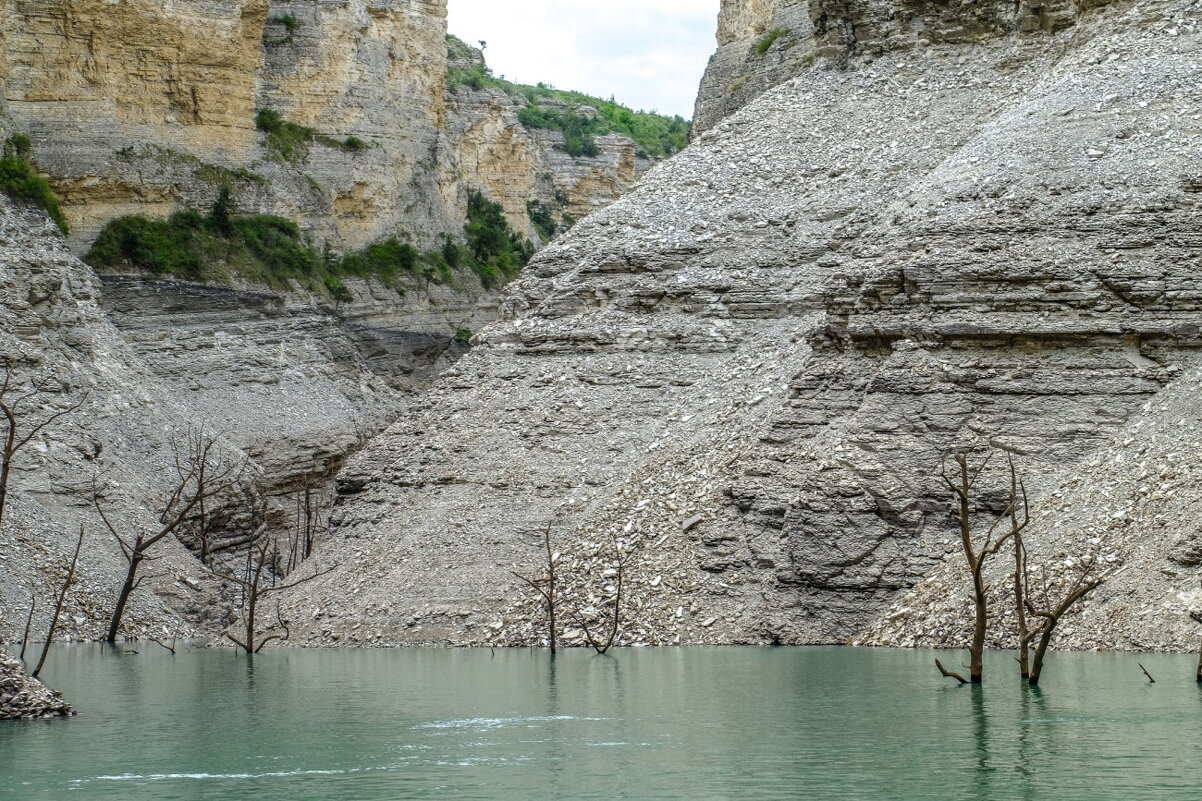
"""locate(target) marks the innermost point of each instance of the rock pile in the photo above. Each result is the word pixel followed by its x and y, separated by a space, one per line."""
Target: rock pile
pixel 23 698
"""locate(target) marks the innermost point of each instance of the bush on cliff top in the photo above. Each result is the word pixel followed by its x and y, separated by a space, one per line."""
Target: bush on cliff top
pixel 20 180
pixel 653 133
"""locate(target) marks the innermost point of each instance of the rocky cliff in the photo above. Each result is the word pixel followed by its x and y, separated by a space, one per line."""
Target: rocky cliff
pixel 958 223
pixel 145 107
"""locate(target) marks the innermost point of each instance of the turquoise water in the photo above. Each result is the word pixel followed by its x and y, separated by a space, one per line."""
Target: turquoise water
pixel 694 723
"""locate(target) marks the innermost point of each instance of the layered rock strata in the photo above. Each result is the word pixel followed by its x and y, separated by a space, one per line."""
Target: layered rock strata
pixel 747 372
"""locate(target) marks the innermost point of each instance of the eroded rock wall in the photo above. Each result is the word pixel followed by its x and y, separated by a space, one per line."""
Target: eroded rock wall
pixel 747 371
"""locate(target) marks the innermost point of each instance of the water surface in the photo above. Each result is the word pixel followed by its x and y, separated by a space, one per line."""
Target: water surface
pixel 693 723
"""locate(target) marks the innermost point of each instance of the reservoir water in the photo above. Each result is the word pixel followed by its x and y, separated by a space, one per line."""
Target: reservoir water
pixel 691 723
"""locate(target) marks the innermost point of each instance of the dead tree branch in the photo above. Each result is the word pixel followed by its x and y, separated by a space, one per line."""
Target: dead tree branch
pixel 548 591
pixel 12 411
pixel 254 591
pixel 58 604
pixel 615 623
pixel 202 476
pixel 33 605
pixel 976 549
pixel 947 674
pixel 1051 612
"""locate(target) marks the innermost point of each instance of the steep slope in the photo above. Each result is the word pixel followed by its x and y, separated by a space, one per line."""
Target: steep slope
pixel 748 370
pixel 281 380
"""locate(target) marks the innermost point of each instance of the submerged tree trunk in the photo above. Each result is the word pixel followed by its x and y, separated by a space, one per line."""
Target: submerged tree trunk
pixel 131 575
pixel 1041 651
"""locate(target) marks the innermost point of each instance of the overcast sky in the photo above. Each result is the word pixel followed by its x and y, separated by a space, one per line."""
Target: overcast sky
pixel 648 54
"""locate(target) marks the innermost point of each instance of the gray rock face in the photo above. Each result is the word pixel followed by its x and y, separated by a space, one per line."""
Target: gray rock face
pixel 762 43
pixel 24 698
pixel 782 331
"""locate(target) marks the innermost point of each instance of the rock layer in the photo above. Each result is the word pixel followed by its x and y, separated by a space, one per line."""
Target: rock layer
pixel 747 371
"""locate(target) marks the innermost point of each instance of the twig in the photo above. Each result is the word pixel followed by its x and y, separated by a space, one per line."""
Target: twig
pixel 1146 673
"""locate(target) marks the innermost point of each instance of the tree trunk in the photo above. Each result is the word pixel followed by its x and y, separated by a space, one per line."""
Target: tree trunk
pixel 1040 651
pixel 550 591
pixel 1024 641
pixel 977 652
pixel 131 575
pixel 6 461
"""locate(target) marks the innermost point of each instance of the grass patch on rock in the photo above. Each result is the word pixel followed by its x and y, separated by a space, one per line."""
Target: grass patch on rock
pixel 21 181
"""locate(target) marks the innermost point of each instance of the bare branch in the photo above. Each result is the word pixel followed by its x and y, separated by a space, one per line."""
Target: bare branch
pixel 947 674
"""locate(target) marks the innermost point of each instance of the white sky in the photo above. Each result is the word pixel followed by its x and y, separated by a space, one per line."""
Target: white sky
pixel 648 54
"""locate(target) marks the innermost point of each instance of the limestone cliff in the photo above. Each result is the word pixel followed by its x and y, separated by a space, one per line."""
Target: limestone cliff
pixel 148 106
pixel 747 371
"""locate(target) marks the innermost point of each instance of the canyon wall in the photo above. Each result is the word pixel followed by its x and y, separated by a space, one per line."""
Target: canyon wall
pixel 149 106
pixel 745 374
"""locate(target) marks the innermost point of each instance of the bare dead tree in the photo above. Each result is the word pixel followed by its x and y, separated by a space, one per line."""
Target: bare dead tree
pixel 1197 616
pixel 258 583
pixel 58 604
pixel 616 615
pixel 201 476
pixel 545 587
pixel 11 407
pixel 309 520
pixel 976 550
pixel 33 605
pixel 1018 495
pixel 1041 604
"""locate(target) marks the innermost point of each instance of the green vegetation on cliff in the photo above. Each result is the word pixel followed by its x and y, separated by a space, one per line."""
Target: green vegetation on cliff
pixel 289 142
pixel 569 112
pixel 222 245
pixel 20 180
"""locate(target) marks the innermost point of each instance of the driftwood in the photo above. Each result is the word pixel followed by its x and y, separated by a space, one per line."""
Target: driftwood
pixel 947 674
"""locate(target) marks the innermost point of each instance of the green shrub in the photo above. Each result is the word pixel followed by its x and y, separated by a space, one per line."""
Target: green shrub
pixel 496 251
pixel 222 244
pixel 385 260
pixel 20 180
pixel 543 221
pixel 463 336
pixel 209 247
pixel 768 39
